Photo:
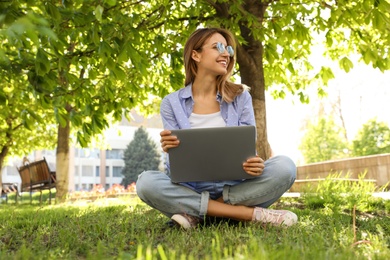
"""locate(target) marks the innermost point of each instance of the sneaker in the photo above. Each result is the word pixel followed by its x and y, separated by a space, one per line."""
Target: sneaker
pixel 274 217
pixel 185 221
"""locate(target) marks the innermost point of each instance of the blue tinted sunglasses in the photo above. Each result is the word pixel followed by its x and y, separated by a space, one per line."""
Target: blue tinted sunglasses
pixel 221 49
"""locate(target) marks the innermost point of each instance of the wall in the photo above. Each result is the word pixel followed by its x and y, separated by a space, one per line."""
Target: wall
pixel 377 167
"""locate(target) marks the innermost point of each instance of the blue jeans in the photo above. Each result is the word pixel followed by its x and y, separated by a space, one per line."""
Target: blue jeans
pixel 156 189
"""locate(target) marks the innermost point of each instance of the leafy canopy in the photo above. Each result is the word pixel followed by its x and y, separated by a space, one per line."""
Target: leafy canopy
pixel 372 138
pixel 323 141
pixel 92 61
pixel 89 61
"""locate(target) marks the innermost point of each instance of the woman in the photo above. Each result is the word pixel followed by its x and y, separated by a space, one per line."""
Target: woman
pixel 210 100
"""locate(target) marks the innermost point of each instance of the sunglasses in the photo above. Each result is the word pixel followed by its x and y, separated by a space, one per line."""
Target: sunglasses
pixel 221 49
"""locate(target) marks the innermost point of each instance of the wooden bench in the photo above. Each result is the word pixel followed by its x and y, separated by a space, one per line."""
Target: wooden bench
pixel 8 188
pixel 36 176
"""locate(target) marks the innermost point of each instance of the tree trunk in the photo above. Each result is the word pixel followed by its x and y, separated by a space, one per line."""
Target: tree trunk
pixel 252 74
pixel 250 60
pixel 62 162
pixel 3 154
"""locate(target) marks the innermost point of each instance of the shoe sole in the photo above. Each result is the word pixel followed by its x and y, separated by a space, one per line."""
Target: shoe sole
pixel 181 221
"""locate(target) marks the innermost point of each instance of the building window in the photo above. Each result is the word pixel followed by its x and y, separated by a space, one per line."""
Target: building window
pixel 107 171
pixel 87 171
pixel 12 171
pixel 117 171
pixel 97 171
pixel 76 171
pixel 87 153
pixel 114 154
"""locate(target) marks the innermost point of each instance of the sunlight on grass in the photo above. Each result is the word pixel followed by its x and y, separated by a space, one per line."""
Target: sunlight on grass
pixel 123 227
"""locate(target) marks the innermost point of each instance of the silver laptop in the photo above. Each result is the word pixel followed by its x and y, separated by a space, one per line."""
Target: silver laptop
pixel 212 154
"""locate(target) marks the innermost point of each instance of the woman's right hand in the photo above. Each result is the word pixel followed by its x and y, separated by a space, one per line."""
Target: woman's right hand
pixel 168 140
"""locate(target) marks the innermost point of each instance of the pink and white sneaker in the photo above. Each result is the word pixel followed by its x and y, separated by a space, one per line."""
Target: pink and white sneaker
pixel 274 217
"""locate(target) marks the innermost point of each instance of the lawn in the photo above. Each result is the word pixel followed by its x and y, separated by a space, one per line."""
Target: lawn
pixel 336 222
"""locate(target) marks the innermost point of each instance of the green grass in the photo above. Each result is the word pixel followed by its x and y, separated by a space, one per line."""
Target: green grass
pixel 125 228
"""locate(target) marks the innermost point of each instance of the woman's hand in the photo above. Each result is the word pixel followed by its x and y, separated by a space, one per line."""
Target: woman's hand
pixel 254 166
pixel 168 141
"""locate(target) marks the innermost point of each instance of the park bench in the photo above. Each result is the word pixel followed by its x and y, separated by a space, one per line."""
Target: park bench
pixel 8 188
pixel 36 176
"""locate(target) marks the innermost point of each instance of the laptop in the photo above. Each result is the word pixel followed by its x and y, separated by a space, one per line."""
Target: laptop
pixel 212 154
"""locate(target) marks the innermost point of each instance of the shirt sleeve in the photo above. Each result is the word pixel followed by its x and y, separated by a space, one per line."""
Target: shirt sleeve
pixel 247 116
pixel 167 115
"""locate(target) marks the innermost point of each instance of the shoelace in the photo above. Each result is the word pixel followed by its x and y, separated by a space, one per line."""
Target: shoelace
pixel 269 216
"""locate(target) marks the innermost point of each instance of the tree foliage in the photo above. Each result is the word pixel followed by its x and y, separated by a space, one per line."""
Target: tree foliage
pixel 323 141
pixel 141 154
pixel 372 138
pixel 89 61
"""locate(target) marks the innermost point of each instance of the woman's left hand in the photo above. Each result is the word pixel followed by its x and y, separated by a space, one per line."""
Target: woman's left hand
pixel 254 166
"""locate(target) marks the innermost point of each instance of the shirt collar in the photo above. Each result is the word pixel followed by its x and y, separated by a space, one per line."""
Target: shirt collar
pixel 187 93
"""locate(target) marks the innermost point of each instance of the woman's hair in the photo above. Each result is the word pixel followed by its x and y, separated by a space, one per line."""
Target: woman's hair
pixel 228 90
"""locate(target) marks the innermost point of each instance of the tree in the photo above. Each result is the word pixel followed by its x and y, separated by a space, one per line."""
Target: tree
pixel 87 61
pixel 276 37
pixel 323 141
pixel 372 138
pixel 141 154
pixel 23 124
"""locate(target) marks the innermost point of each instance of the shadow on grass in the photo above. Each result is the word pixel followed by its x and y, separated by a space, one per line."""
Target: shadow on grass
pixel 125 228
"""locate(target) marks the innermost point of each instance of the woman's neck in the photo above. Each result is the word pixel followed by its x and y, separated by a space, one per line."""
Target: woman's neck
pixel 204 87
pixel 204 93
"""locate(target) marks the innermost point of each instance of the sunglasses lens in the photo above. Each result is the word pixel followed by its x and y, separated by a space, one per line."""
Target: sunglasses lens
pixel 220 47
pixel 230 50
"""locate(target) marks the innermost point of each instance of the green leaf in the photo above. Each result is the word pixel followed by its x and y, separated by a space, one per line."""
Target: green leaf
pixel 346 64
pixel 110 2
pixel 96 36
pixel 3 98
pixel 99 12
pixel 119 73
pixel 42 64
pixel 290 67
pixel 34 115
pixel 326 74
pixel 368 56
pixel 81 139
pixel 104 51
pixel 377 21
pixel 53 12
pixel 61 117
pixel 47 32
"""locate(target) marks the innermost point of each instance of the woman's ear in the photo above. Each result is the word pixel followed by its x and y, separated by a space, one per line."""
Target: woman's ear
pixel 195 56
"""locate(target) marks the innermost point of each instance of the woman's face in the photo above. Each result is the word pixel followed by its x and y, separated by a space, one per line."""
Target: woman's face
pixel 210 59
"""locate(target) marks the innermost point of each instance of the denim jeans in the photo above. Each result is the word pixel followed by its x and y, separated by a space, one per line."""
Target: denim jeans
pixel 156 189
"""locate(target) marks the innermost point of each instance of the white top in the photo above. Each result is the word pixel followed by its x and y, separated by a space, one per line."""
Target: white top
pixel 207 120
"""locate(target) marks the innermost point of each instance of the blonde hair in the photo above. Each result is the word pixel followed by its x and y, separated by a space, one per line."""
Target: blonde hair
pixel 228 90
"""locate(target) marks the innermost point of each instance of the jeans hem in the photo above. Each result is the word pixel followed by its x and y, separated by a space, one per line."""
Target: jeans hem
pixel 204 203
